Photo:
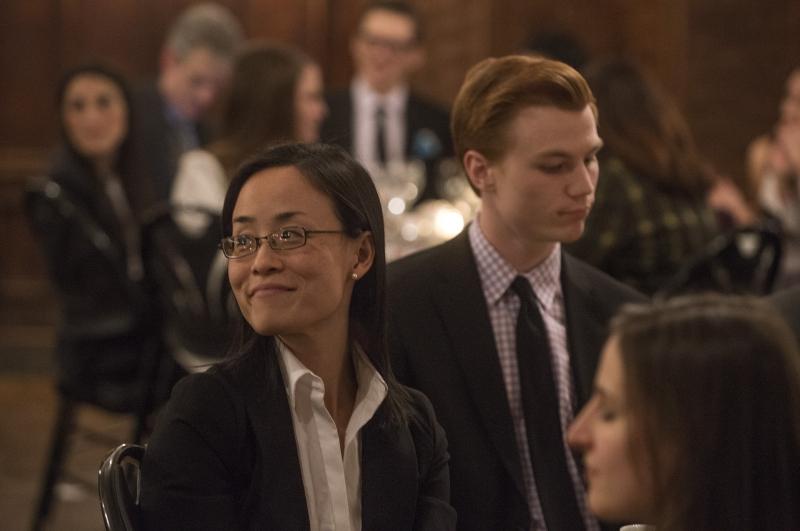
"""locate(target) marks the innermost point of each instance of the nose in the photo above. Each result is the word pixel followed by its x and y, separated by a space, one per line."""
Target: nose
pixel 204 96
pixel 584 180
pixel 265 259
pixel 578 434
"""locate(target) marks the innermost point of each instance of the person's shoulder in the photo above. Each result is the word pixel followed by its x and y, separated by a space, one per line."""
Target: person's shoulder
pixel 197 391
pixel 427 105
pixel 208 402
pixel 422 417
pixel 337 96
pixel 200 160
pixel 592 279
pixel 418 266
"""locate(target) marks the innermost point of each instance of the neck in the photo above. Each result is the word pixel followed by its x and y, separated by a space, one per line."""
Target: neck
pixel 522 253
pixel 103 166
pixel 333 363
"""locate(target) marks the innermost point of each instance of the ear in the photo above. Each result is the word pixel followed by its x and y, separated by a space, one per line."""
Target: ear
pixel 365 255
pixel 479 171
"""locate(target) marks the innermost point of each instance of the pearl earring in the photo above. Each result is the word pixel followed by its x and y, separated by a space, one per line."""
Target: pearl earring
pixel 355 276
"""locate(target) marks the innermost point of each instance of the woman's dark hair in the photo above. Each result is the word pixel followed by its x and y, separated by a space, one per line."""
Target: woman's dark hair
pixel 713 387
pixel 642 126
pixel 332 171
pixel 124 159
pixel 259 108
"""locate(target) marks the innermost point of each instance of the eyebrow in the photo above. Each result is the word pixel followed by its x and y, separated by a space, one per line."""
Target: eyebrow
pixel 280 217
pixel 565 155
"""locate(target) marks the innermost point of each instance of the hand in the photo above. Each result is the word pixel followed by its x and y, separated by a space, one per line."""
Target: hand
pixel 787 140
pixel 726 197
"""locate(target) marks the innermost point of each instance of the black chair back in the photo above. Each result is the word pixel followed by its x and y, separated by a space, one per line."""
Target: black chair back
pixel 190 274
pixel 118 484
pixel 742 261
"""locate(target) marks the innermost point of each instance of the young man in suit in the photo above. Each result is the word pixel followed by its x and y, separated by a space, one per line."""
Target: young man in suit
pixel 196 62
pixel 506 368
pixel 378 118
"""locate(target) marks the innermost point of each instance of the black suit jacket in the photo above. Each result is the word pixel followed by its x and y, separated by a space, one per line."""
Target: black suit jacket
pixel 425 122
pixel 442 343
pixel 223 456
pixel 155 155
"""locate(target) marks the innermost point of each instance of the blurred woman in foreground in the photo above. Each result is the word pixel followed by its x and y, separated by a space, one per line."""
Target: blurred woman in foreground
pixel 695 420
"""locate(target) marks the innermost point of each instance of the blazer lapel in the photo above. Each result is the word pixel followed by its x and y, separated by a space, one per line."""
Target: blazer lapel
pixel 463 310
pixel 388 476
pixel 284 502
pixel 586 331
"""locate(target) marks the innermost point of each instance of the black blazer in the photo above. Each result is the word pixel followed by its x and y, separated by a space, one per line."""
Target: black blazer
pixel 427 133
pixel 153 138
pixel 442 343
pixel 107 324
pixel 223 456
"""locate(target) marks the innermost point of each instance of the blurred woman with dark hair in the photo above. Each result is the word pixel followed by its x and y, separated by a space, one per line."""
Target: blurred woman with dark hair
pixel 91 243
pixel 650 212
pixel 695 419
pixel 305 427
pixel 276 96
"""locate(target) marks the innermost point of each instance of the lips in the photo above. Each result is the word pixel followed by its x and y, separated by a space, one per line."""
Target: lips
pixel 268 289
pixel 575 213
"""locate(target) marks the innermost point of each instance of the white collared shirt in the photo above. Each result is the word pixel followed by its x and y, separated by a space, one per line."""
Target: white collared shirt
pixel 331 478
pixel 365 104
pixel 496 276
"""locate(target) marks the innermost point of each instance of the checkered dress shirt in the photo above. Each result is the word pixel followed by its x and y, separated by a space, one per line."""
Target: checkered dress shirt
pixel 496 277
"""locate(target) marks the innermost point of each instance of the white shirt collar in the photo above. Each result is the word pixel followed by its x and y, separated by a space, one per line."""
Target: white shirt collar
pixel 393 101
pixel 497 273
pixel 298 379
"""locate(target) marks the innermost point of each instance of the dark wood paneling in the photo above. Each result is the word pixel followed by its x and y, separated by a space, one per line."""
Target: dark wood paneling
pixel 725 60
pixel 740 55
pixel 29 66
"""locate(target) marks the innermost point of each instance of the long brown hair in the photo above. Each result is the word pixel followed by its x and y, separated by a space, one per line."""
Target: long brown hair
pixel 259 109
pixel 713 386
pixel 642 126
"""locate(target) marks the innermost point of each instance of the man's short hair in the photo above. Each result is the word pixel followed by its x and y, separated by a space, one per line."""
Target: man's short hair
pixel 209 26
pixel 398 8
pixel 497 89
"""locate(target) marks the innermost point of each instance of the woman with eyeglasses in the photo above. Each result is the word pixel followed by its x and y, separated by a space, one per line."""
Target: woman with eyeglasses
pixel 304 427
pixel 695 419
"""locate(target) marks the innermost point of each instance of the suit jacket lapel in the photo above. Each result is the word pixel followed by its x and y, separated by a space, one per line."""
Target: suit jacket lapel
pixel 268 408
pixel 388 476
pixel 463 310
pixel 586 330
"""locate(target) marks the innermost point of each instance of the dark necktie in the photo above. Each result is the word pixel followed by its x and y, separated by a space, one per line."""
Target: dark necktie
pixel 380 133
pixel 542 422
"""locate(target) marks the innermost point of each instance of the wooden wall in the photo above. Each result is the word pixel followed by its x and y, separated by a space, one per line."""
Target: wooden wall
pixel 725 60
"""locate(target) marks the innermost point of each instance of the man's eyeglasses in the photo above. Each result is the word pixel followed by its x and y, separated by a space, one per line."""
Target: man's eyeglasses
pixel 282 239
pixel 393 45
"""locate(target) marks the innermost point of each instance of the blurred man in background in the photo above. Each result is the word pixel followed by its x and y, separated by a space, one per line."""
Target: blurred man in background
pixel 378 118
pixel 196 62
